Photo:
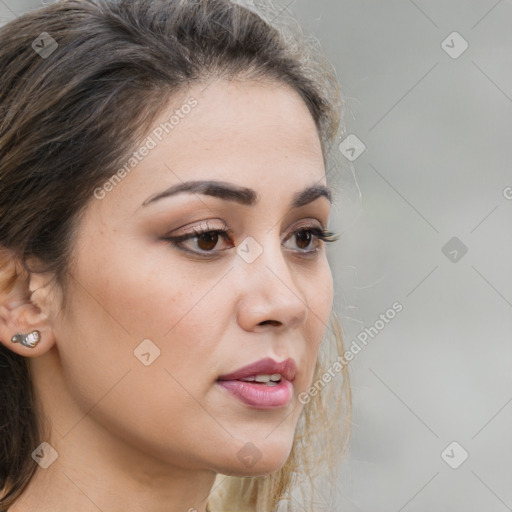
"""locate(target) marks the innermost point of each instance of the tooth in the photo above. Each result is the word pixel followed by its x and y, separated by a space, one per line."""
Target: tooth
pixel 275 376
pixel 262 378
pixel 270 383
pixel 249 379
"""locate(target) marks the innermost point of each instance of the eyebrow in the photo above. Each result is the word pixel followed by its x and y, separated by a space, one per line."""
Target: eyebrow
pixel 242 195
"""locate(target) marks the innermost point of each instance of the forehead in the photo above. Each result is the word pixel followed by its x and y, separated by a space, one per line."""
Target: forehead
pixel 237 114
pixel 259 135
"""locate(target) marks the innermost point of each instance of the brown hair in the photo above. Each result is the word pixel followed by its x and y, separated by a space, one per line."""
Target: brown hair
pixel 67 121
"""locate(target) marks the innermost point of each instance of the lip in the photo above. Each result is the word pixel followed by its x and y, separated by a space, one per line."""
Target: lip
pixel 259 396
pixel 266 366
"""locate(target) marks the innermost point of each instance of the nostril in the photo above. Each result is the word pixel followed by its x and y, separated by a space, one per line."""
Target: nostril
pixel 271 322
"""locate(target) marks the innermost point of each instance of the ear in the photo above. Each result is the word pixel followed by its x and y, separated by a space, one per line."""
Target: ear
pixel 26 300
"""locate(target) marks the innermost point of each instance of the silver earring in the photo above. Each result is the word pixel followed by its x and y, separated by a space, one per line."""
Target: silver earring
pixel 27 340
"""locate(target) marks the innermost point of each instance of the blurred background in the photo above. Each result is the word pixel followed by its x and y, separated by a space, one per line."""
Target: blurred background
pixel 426 223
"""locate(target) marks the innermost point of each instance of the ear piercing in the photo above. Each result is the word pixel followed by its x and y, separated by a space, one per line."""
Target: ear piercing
pixel 27 340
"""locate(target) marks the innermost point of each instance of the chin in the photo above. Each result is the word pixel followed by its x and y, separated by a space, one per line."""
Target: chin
pixel 263 469
pixel 259 460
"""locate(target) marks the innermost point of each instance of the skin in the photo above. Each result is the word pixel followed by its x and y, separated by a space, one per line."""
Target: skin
pixel 152 438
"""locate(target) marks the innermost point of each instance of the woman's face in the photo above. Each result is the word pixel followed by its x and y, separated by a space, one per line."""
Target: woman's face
pixel 150 326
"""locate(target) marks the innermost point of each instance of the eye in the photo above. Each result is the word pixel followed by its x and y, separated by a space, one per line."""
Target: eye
pixel 206 240
pixel 306 235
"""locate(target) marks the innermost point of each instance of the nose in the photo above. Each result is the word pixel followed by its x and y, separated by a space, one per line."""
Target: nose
pixel 270 295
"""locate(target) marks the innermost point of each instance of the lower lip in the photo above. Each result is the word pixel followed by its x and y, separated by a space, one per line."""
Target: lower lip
pixel 260 396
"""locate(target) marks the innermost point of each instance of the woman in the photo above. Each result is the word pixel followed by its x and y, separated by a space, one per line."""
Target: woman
pixel 165 290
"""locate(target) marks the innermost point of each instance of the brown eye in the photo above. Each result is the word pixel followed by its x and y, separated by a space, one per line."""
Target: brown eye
pixel 207 241
pixel 203 242
pixel 303 239
pixel 307 239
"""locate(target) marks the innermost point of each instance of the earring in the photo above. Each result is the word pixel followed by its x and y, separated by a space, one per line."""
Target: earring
pixel 28 340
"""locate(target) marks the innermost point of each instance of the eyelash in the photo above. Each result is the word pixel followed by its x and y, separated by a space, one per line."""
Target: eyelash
pixel 226 233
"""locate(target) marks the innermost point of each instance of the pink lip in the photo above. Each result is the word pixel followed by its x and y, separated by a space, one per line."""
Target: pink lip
pixel 262 396
pixel 267 366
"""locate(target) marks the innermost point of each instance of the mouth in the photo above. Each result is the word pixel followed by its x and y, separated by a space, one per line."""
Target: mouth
pixel 265 384
pixel 266 380
pixel 264 371
pixel 259 395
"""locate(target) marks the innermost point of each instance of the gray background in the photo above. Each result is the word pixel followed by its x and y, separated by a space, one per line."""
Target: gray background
pixel 438 134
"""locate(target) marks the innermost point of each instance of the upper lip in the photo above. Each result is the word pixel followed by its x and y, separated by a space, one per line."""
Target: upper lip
pixel 267 366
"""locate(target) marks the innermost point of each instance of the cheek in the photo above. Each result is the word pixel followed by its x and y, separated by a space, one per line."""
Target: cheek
pixel 319 298
pixel 111 311
pixel 143 288
pixel 147 294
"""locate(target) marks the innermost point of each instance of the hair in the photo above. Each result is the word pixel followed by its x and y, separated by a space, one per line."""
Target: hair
pixel 68 120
